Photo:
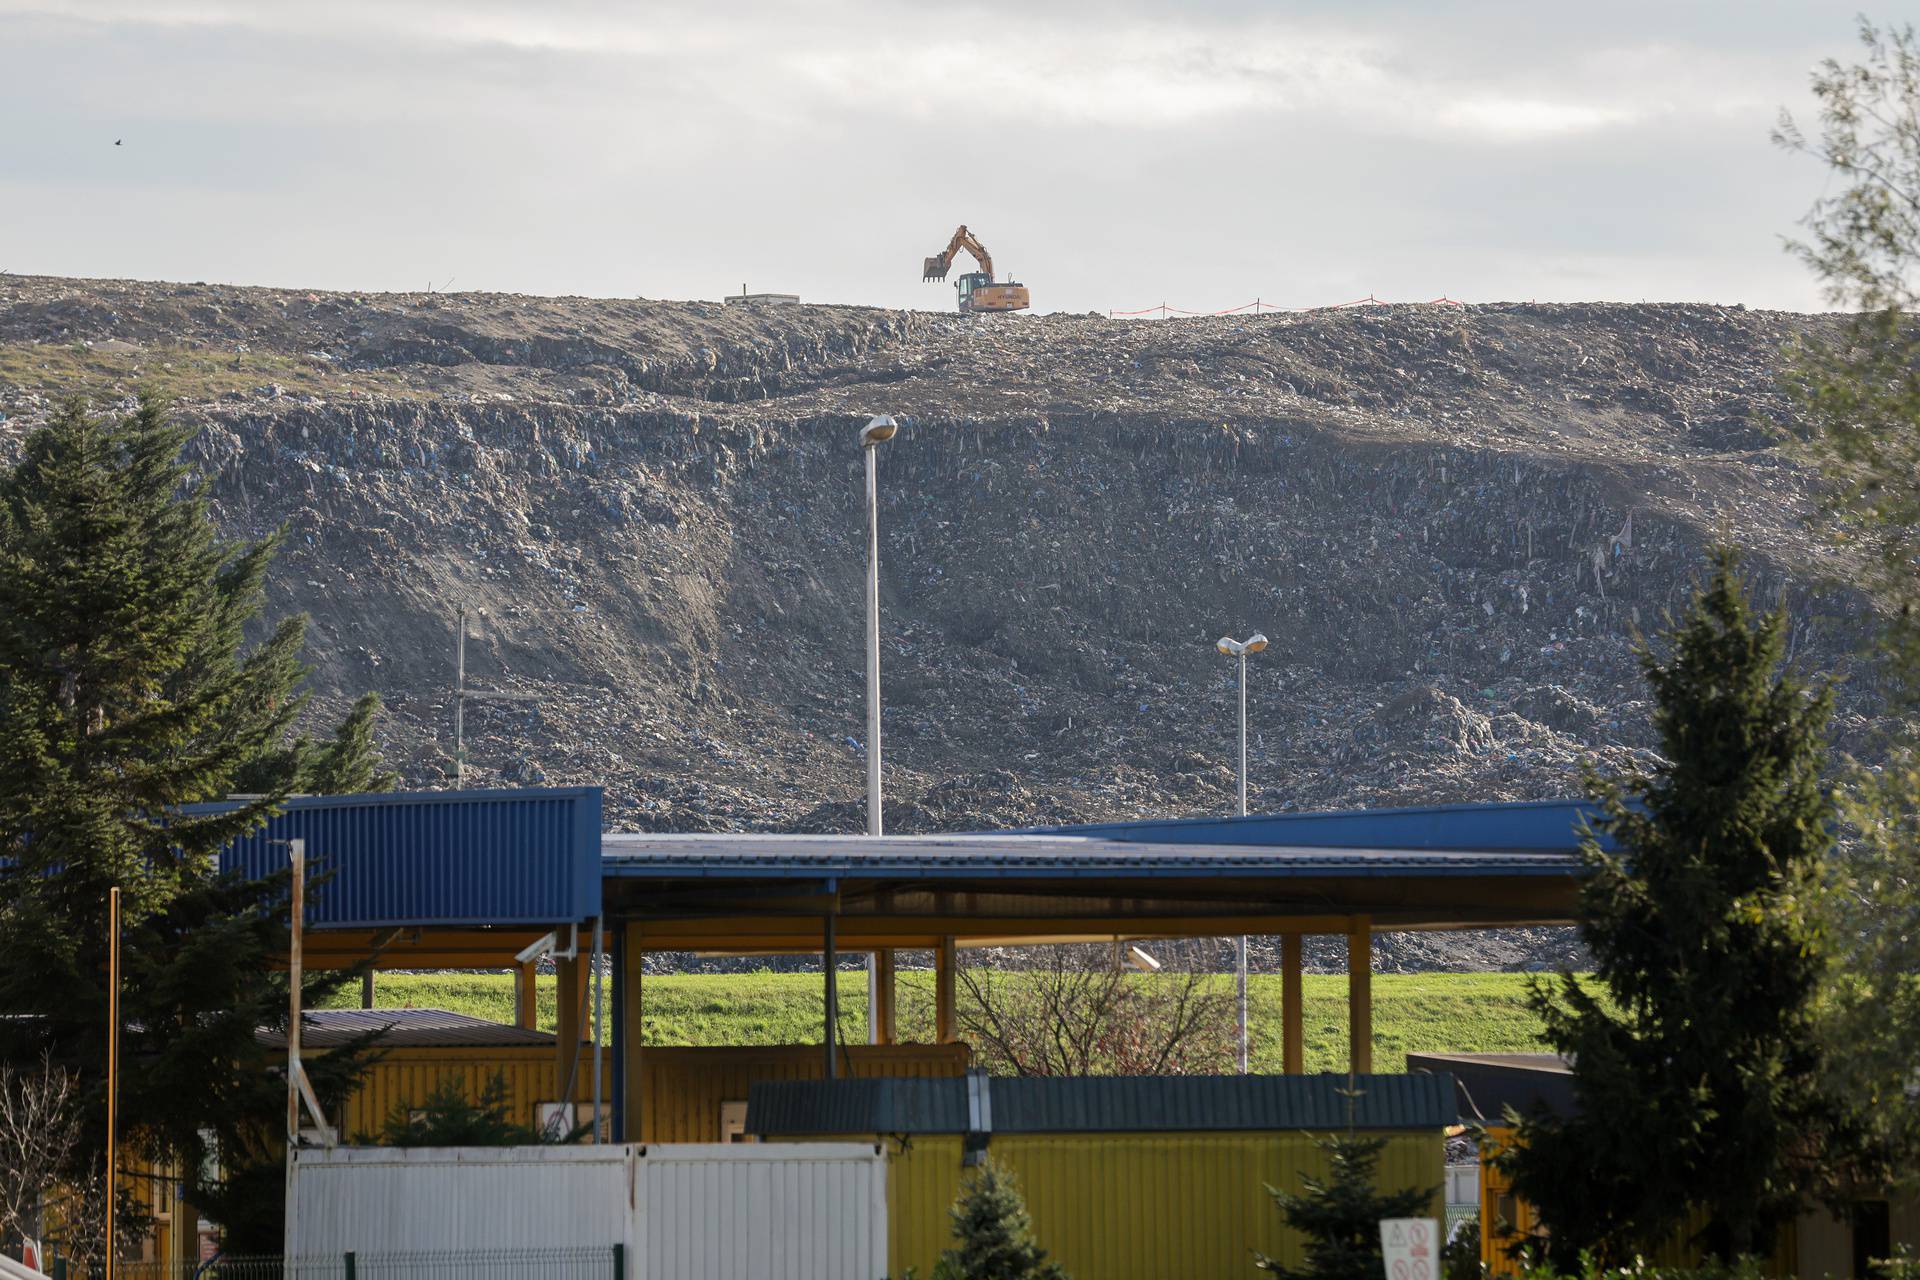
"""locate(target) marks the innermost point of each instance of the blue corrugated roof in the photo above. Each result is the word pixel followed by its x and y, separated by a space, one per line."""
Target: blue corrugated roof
pixel 1110 1104
pixel 1542 826
pixel 436 858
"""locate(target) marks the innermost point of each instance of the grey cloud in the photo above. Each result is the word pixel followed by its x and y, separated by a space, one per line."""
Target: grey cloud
pixel 1112 154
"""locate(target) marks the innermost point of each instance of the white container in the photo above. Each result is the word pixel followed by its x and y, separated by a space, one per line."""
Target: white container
pixel 787 1211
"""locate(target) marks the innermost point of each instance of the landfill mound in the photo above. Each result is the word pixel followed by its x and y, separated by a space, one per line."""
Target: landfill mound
pixel 1449 521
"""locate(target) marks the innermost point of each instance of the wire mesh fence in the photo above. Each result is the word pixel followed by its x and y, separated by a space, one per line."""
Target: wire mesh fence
pixel 574 1263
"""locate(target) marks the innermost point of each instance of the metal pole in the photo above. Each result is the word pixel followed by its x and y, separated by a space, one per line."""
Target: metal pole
pixel 297 855
pixel 875 822
pixel 113 1059
pixel 599 956
pixel 1240 950
pixel 831 957
pixel 460 700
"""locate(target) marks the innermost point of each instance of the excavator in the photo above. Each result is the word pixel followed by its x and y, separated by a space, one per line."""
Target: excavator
pixel 978 290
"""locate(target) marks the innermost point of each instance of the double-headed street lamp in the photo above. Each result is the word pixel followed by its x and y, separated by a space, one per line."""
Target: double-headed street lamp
pixel 1240 649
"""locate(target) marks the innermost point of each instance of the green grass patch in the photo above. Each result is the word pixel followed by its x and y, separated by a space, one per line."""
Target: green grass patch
pixel 1422 1012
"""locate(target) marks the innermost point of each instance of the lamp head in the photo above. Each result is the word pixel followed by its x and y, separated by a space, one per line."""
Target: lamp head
pixel 879 429
pixel 1241 648
pixel 1256 642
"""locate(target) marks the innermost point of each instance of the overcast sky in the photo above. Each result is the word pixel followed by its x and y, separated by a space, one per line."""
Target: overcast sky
pixel 1112 154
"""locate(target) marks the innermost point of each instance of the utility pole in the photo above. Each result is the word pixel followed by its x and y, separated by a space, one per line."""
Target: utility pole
pixel 297 856
pixel 299 1088
pixel 460 701
pixel 113 1062
pixel 461 693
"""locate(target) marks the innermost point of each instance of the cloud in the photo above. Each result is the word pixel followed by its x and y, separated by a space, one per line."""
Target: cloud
pixel 1109 149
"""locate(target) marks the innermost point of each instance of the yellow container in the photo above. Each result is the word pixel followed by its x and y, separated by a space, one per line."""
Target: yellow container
pixel 1134 1206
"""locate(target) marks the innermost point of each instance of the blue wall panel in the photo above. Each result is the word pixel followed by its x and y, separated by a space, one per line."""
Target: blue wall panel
pixel 1540 826
pixel 440 857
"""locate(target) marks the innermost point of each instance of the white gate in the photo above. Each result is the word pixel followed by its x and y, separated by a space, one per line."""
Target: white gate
pixel 800 1211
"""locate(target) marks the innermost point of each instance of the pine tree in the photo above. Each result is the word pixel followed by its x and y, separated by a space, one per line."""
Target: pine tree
pixel 351 762
pixel 1340 1214
pixel 448 1118
pixel 994 1234
pixel 127 689
pixel 1697 1076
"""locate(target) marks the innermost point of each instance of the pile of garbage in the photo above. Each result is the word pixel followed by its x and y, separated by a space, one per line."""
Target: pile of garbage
pixel 1451 522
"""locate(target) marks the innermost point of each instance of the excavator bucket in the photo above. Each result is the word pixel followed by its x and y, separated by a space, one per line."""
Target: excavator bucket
pixel 935 269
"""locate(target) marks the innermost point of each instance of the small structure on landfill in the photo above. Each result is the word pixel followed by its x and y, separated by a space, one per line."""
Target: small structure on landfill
pixel 765 299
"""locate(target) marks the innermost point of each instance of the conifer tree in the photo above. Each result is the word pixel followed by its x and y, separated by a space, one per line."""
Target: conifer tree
pixel 448 1118
pixel 1340 1214
pixel 994 1234
pixel 351 762
pixel 1695 1068
pixel 128 689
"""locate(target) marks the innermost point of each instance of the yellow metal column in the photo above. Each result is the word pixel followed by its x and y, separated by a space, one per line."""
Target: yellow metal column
pixel 633 1030
pixel 1360 994
pixel 883 1003
pixel 570 990
pixel 526 996
pixel 1293 1041
pixel 946 1026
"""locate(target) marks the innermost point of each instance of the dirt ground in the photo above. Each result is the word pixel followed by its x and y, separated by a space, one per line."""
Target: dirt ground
pixel 1450 521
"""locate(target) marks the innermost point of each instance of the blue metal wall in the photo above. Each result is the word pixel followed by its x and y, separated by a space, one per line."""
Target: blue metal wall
pixel 440 857
pixel 1542 826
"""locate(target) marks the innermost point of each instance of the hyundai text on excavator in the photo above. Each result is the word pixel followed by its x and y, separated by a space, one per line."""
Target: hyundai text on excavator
pixel 978 289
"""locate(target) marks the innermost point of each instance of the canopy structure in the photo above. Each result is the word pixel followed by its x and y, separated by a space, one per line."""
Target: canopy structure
pixel 499 879
pixel 771 893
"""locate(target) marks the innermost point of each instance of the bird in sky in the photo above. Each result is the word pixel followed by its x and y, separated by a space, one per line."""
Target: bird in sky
pixel 116 142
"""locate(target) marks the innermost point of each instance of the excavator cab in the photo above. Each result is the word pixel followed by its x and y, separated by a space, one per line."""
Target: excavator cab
pixel 977 289
pixel 967 283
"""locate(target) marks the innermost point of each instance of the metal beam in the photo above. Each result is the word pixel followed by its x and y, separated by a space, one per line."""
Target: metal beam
pixel 1360 995
pixel 946 1024
pixel 1292 1013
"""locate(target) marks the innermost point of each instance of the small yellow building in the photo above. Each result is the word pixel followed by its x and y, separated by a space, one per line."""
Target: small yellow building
pixel 1126 1178
pixel 419 1049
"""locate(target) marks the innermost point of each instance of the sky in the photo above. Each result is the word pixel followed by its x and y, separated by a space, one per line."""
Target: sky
pixel 1112 154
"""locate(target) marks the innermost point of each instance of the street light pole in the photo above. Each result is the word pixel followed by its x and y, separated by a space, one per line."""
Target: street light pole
pixel 1243 740
pixel 1240 649
pixel 878 431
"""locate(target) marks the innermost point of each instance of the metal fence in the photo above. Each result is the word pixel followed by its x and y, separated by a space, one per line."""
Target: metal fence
pixel 576 1263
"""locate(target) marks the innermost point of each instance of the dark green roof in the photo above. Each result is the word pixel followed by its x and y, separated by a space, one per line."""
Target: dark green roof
pixel 1107 1104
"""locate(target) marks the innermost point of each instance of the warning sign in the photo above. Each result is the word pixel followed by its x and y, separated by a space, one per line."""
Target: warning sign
pixel 1411 1248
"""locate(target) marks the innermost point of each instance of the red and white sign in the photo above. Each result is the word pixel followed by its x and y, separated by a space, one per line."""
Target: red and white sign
pixel 1410 1248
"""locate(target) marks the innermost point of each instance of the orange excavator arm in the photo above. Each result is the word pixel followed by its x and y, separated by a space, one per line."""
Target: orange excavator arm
pixel 936 267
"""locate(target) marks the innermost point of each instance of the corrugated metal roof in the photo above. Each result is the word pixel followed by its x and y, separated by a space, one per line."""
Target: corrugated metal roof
pixel 1540 826
pixel 529 857
pixel 1489 1084
pixel 1111 1104
pixel 408 1029
pixel 1013 854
